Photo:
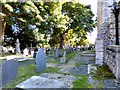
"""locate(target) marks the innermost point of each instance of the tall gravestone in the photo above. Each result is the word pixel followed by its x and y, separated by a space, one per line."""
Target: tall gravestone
pixel 40 60
pixel 9 70
pixel 56 53
pixel 18 47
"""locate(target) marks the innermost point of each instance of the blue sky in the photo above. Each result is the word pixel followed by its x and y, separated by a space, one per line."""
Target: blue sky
pixel 93 3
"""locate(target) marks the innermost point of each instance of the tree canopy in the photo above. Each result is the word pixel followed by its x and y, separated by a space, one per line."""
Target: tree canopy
pixel 54 23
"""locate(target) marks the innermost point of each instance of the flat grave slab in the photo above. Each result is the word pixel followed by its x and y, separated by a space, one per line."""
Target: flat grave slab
pixel 68 79
pixel 41 82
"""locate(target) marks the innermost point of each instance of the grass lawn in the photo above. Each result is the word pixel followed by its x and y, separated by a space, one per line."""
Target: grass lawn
pixel 7 54
pixel 29 70
pixel 68 57
pixel 26 72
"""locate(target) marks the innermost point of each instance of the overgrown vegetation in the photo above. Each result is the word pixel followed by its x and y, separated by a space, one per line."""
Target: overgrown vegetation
pixel 102 72
pixel 81 82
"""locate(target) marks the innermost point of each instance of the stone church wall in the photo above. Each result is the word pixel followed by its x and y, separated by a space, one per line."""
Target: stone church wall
pixel 106 50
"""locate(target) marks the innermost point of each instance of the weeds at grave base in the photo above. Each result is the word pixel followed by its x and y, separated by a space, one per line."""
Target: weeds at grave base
pixel 81 81
pixel 102 72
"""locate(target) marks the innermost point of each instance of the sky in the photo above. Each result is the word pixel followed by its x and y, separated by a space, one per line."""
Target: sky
pixel 92 36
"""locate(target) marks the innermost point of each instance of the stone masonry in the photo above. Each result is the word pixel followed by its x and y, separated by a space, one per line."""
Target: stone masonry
pixel 106 50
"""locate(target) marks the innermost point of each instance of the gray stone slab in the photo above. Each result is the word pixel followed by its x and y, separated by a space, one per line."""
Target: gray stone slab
pixel 63 60
pixel 56 55
pixel 40 60
pixel 41 82
pixel 61 54
pixel 86 60
pixel 68 79
pixel 109 83
pixel 82 69
pixel 9 70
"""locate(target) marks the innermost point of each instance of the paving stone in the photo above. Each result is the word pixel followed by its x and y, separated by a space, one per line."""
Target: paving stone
pixel 82 69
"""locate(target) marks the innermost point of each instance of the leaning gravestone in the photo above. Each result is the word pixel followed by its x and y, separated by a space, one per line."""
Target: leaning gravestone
pixel 9 70
pixel 40 60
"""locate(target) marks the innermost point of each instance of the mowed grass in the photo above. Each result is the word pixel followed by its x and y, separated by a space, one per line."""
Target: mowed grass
pixel 29 70
pixel 26 72
pixel 68 57
pixel 71 55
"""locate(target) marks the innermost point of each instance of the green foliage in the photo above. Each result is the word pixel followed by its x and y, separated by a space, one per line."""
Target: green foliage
pixel 70 56
pixel 62 22
pixel 57 61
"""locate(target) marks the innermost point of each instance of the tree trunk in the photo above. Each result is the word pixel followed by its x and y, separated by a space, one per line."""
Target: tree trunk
pixel 61 40
pixel 3 30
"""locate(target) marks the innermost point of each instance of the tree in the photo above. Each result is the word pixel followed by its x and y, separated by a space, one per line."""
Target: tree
pixel 23 16
pixel 62 21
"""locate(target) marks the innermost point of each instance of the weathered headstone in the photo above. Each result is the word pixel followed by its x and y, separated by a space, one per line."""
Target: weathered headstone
pixel 63 59
pixel 9 70
pixel 61 54
pixel 25 52
pixel 40 60
pixel 56 53
pixel 18 47
pixel 67 51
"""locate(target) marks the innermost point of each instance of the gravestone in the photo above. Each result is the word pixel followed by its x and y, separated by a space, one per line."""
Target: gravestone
pixel 41 83
pixel 40 60
pixel 56 53
pixel 61 54
pixel 9 70
pixel 67 51
pixel 25 52
pixel 18 47
pixel 63 59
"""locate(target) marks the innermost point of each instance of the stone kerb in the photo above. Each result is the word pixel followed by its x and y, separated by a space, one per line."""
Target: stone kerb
pixel 113 60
